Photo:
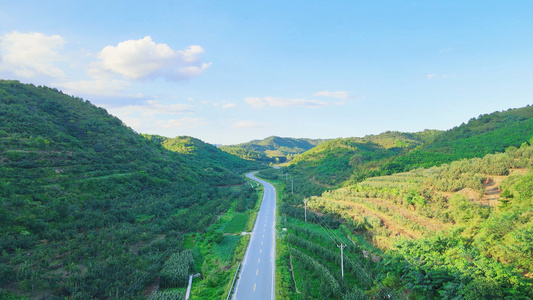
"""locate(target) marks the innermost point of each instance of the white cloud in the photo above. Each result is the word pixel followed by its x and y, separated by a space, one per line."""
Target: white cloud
pixel 246 124
pixel 229 105
pixel 31 54
pixel 431 76
pixel 341 95
pixel 284 102
pixel 45 59
pixel 142 59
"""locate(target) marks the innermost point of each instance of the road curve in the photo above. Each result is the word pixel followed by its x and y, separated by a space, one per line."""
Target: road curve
pixel 256 279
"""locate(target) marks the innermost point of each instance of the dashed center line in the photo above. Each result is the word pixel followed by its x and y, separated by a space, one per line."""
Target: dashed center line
pixel 256 272
pixel 254 287
pixel 258 260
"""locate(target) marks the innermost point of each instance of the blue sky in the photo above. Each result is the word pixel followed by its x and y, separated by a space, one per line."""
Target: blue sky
pixel 232 71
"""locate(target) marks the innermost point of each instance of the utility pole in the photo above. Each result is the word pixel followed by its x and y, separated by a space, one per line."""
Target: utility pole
pixel 305 203
pixel 342 260
pixel 292 186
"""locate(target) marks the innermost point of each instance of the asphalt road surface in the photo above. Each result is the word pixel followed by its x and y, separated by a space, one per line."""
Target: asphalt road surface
pixel 256 279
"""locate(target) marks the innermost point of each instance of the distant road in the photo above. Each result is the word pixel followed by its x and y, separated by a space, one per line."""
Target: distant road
pixel 256 279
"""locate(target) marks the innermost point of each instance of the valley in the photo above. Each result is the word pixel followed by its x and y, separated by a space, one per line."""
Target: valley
pixel 92 209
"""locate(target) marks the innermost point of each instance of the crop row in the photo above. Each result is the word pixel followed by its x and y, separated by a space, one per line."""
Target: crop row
pixel 167 295
pixel 176 270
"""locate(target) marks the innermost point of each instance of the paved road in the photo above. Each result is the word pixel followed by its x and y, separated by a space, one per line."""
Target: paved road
pixel 256 279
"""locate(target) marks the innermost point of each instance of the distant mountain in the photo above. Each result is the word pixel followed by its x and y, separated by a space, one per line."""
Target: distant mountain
pixel 272 149
pixel 88 207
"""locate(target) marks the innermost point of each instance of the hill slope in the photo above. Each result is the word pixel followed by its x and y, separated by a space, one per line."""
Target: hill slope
pixel 91 209
pixel 468 221
pixel 198 151
pixel 333 162
pixel 489 133
pixel 272 149
pixel 457 231
pixel 355 159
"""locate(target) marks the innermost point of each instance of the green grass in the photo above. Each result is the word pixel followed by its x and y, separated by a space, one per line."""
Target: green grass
pixel 236 224
pixel 226 247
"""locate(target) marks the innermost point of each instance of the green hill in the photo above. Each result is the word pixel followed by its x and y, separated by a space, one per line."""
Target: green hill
pixel 204 153
pixel 489 133
pixel 333 162
pixel 458 231
pixel 272 149
pixel 91 209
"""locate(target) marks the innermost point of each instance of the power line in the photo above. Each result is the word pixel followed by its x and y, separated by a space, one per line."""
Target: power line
pixel 367 275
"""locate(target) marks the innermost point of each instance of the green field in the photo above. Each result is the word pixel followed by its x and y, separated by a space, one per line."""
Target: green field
pixel 236 224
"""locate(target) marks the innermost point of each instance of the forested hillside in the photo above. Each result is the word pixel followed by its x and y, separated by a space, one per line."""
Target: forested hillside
pixel 456 226
pixel 272 149
pixel 336 161
pixel 204 153
pixel 91 209
pixel 339 161
pixel 489 133
pixel 458 231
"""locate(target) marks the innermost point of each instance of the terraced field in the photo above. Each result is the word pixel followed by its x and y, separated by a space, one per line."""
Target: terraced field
pixel 423 202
